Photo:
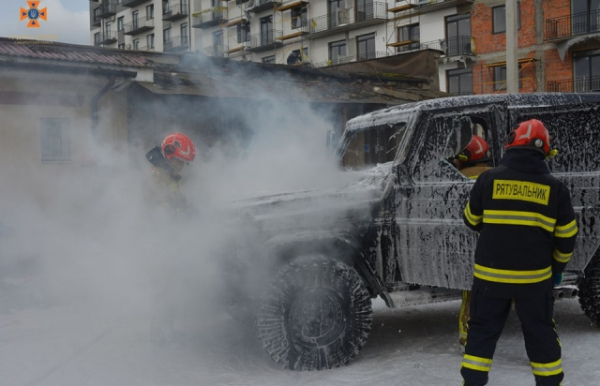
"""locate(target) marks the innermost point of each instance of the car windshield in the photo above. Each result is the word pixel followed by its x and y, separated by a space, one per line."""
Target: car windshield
pixel 375 145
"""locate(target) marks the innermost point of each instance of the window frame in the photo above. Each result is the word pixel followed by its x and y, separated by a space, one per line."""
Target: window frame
pixel 497 8
pixel 458 72
pixel 64 154
pixel 150 41
pixel 268 59
pixel 496 81
pixel 337 44
pixel 366 38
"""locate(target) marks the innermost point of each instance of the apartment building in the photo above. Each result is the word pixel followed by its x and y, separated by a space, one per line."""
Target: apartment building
pixel 558 40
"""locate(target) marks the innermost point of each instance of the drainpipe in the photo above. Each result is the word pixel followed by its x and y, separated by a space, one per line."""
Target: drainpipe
pixel 94 106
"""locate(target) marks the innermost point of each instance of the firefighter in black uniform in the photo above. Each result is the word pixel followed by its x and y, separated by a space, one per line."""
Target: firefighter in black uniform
pixel 527 234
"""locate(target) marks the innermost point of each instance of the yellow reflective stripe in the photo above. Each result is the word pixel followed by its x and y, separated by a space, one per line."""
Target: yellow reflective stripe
pixel 513 217
pixel 547 369
pixel 561 257
pixel 513 277
pixel 476 363
pixel 566 231
pixel 471 218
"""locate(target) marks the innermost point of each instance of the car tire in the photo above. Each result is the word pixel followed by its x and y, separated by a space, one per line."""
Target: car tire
pixel 589 291
pixel 316 315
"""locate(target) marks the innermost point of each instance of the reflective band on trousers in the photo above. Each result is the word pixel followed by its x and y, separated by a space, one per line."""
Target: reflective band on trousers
pixel 513 217
pixel 547 369
pixel 512 277
pixel 476 363
pixel 566 231
pixel 561 257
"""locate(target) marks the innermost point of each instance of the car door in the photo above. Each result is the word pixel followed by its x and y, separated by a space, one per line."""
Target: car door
pixel 433 246
pixel 574 132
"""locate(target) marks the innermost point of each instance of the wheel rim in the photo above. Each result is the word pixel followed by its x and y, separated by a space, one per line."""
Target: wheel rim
pixel 316 317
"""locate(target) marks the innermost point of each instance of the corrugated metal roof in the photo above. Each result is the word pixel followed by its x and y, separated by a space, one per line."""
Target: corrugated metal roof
pixel 72 53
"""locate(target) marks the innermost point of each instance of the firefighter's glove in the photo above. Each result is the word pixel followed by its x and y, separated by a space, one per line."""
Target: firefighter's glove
pixel 557 278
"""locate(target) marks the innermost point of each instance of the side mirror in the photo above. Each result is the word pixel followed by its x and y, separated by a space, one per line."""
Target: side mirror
pixel 459 136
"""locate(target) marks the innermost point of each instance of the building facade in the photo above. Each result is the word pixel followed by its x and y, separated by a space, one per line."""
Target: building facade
pixel 558 40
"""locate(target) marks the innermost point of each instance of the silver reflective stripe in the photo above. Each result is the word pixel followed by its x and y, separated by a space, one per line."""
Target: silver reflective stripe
pixel 547 370
pixel 470 363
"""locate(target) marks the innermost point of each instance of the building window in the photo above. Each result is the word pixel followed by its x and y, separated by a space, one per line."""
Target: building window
pixel 585 16
pixel 266 30
pixel 136 20
pixel 458 34
pixel 238 2
pixel 299 17
pixel 97 38
pixel 136 44
pixel 150 41
pixel 460 82
pixel 586 71
pixel 122 46
pixel 500 78
pixel 366 47
pixel 120 24
pixel 410 33
pixel 108 29
pixel 150 12
pixel 243 32
pixel 499 18
pixel 337 52
pixel 185 37
pixel 167 36
pixel 55 139
pixel 269 59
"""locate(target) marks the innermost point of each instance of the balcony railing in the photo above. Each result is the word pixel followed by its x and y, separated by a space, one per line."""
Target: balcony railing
pixel 265 40
pixel 146 48
pixel 217 50
pixel 262 5
pixel 210 17
pixel 176 43
pixel 434 5
pixel 352 58
pixel 573 25
pixel 107 9
pixel 458 45
pixel 410 46
pixel 351 16
pixel 133 3
pixel 175 11
pixel 139 25
pixel 586 84
pixel 106 37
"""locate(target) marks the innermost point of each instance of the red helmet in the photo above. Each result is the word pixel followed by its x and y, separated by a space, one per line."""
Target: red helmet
pixel 179 146
pixel 476 150
pixel 530 134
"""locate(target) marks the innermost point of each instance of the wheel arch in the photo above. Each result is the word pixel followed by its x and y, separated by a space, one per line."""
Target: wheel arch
pixel 337 246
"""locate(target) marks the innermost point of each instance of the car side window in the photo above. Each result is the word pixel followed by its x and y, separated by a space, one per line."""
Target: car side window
pixel 374 146
pixel 433 159
pixel 574 133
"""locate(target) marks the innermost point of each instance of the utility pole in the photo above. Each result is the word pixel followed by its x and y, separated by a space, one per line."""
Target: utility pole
pixel 512 69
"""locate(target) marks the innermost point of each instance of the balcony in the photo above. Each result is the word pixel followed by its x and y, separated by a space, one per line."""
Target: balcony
pixel 176 43
pixel 458 45
pixel 139 26
pixel 435 5
pixel 563 28
pixel 352 58
pixel 210 17
pixel 348 19
pixel 107 10
pixel 105 38
pixel 217 51
pixel 589 84
pixel 262 5
pixel 133 3
pixel 264 41
pixel 412 45
pixel 176 11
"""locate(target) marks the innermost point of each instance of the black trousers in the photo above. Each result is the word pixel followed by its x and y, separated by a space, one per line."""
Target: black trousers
pixel 488 316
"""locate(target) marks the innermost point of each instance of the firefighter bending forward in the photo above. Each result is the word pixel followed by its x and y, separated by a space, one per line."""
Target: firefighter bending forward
pixel 527 234
pixel 167 161
pixel 471 162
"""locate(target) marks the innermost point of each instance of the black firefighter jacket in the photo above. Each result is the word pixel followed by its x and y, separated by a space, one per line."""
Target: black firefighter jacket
pixel 527 226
